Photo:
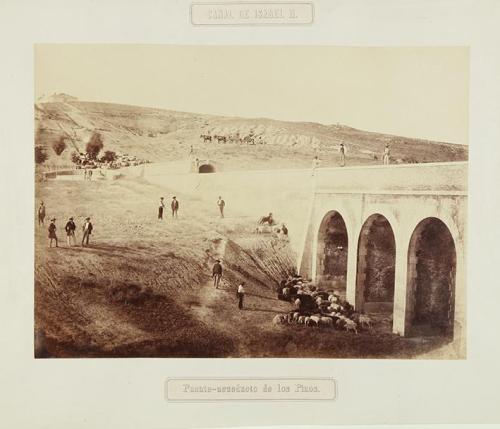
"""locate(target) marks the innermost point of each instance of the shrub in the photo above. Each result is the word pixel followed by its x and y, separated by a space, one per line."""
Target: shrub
pixel 109 156
pixel 75 157
pixel 94 146
pixel 59 146
pixel 40 155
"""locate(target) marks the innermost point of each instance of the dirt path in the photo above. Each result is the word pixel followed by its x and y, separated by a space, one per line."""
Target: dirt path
pixel 219 309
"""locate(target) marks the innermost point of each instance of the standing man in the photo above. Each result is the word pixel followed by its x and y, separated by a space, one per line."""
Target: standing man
pixel 90 174
pixel 241 294
pixel 52 232
pixel 217 273
pixel 221 203
pixel 387 154
pixel 174 206
pixel 87 230
pixel 70 231
pixel 315 164
pixel 160 208
pixel 342 154
pixel 85 174
pixel 41 214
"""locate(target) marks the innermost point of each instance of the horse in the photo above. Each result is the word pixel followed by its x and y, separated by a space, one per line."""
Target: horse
pixel 248 140
pixel 267 219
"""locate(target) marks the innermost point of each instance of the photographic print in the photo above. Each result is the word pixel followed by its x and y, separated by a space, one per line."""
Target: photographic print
pixel 250 201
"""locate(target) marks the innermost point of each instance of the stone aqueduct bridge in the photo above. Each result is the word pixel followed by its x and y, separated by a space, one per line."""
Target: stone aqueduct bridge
pixel 392 237
pixel 409 220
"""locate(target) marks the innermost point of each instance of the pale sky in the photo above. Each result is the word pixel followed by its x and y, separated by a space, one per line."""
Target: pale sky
pixel 412 92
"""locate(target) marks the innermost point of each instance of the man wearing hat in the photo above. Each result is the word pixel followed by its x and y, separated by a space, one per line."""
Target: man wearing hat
pixel 174 206
pixel 52 232
pixel 217 273
pixel 87 230
pixel 160 209
pixel 342 151
pixel 70 231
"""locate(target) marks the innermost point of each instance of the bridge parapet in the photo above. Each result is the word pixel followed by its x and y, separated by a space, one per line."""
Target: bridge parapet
pixel 443 177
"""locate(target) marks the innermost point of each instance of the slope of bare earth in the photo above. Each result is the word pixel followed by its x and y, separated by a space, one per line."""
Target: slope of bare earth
pixel 164 135
pixel 143 287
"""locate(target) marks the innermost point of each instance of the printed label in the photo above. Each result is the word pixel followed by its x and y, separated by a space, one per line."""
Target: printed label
pixel 251 389
pixel 251 13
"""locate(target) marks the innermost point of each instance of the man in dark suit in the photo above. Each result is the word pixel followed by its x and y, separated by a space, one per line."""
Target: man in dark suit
pixel 52 232
pixel 160 208
pixel 70 231
pixel 217 273
pixel 87 230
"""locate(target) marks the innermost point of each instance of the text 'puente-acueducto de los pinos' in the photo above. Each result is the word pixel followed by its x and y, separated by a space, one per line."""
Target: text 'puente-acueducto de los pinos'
pixel 393 237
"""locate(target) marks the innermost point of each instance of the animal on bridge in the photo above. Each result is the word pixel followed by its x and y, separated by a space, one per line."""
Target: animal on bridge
pixel 234 138
pixel 220 139
pixel 206 137
pixel 248 140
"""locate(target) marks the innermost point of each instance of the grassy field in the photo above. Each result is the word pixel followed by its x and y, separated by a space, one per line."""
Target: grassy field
pixel 143 287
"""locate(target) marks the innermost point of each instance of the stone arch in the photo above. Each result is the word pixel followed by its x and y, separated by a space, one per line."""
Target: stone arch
pixel 331 252
pixel 206 168
pixel 432 261
pixel 375 268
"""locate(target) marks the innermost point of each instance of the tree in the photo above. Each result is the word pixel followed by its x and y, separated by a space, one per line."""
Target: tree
pixel 109 156
pixel 75 157
pixel 40 155
pixel 59 146
pixel 94 146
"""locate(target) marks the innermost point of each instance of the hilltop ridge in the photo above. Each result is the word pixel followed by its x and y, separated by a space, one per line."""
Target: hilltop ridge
pixel 166 135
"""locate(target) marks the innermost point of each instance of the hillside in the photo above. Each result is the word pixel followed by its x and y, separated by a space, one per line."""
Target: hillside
pixel 143 288
pixel 164 135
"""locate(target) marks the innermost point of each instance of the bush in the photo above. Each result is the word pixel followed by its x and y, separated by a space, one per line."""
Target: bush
pixel 75 157
pixel 59 146
pixel 40 155
pixel 108 156
pixel 94 146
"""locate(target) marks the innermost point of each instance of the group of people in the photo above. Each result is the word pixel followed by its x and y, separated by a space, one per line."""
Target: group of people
pixel 316 162
pixel 217 276
pixel 174 206
pixel 87 174
pixel 70 229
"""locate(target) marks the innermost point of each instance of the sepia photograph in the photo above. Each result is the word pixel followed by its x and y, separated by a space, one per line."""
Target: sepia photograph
pixel 250 201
